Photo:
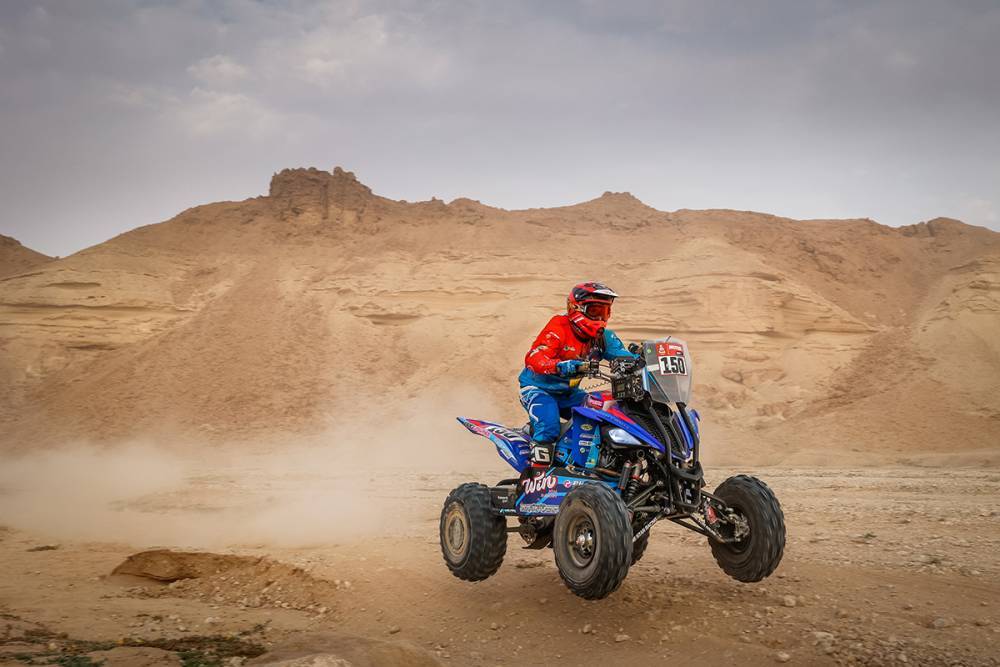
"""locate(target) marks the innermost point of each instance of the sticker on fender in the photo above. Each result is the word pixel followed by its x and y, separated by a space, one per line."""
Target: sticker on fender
pixel 539 508
pixel 669 350
pixel 538 484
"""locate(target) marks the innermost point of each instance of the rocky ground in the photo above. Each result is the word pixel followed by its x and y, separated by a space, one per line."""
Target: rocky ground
pixel 882 567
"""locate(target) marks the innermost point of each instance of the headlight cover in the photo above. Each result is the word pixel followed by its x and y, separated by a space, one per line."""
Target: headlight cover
pixel 622 437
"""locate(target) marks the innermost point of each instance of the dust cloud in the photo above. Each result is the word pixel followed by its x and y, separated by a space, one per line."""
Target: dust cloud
pixel 77 490
pixel 365 476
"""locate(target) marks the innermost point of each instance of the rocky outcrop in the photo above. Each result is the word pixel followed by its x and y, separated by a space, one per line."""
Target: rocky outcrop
pixel 312 196
pixel 937 227
pixel 15 258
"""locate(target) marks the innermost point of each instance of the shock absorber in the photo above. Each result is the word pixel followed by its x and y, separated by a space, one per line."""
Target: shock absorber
pixel 636 473
pixel 625 481
pixel 633 486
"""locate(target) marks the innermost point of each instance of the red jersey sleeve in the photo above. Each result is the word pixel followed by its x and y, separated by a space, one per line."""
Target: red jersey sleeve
pixel 544 353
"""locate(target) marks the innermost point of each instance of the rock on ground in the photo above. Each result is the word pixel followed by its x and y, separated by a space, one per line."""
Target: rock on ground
pixel 330 650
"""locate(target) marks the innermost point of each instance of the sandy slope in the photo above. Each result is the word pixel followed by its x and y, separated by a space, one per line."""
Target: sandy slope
pixel 236 321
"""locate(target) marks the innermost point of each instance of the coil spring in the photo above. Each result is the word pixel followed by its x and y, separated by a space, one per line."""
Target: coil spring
pixel 631 488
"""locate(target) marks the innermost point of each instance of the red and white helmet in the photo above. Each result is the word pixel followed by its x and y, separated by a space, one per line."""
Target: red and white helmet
pixel 589 307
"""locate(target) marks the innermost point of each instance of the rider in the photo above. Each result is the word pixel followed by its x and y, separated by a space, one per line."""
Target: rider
pixel 550 379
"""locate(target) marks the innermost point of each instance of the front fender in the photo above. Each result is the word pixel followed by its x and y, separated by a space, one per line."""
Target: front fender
pixel 629 426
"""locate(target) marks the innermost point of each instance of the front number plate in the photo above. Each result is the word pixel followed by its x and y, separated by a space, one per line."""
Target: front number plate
pixel 673 366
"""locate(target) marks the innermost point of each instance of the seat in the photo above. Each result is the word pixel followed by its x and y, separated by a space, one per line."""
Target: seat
pixel 564 425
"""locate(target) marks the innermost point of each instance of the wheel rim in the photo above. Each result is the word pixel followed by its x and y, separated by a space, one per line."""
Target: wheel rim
pixel 582 539
pixel 456 532
pixel 741 543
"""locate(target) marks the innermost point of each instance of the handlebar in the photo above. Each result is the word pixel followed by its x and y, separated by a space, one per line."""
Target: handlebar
pixel 592 368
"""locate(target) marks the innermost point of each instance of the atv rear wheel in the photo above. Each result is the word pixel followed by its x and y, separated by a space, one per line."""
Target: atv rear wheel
pixel 592 540
pixel 473 538
pixel 755 555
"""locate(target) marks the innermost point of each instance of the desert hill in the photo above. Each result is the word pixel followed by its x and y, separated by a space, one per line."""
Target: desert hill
pixel 281 314
pixel 15 258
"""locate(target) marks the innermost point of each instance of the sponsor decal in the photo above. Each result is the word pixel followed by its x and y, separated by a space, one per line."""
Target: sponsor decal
pixel 645 529
pixel 539 508
pixel 505 433
pixel 476 427
pixel 539 484
pixel 540 453
pixel 669 350
pixel 587 427
pixel 505 450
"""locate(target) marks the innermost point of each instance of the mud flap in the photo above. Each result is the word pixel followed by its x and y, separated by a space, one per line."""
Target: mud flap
pixel 503 500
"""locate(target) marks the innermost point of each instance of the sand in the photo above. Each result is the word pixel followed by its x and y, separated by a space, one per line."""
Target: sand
pixel 882 565
pixel 275 381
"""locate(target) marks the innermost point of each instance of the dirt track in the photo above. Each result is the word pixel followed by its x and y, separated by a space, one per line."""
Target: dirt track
pixel 897 565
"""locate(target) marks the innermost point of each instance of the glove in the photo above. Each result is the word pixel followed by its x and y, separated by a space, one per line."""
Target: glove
pixel 568 368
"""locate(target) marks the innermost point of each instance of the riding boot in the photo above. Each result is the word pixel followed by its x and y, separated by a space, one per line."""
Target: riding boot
pixel 541 459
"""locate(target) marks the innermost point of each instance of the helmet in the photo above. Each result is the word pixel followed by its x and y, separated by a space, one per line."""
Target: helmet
pixel 589 307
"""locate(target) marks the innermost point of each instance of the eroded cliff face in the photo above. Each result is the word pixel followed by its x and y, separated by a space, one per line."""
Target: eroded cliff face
pixel 314 197
pixel 238 319
pixel 15 258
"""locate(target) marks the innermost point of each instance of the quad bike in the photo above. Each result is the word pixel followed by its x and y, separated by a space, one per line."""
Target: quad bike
pixel 625 460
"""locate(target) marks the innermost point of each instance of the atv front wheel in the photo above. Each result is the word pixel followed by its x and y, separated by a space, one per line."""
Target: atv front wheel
pixel 760 542
pixel 592 540
pixel 473 538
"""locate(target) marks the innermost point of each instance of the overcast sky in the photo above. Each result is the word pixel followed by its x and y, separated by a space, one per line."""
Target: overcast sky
pixel 115 114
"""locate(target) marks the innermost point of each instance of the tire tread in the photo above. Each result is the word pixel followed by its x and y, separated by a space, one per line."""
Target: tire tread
pixel 767 531
pixel 617 550
pixel 487 533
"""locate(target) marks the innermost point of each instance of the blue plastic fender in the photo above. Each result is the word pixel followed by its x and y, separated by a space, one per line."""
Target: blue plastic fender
pixel 512 446
pixel 630 427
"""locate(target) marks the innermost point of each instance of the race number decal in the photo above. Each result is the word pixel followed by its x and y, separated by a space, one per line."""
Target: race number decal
pixel 671 357
pixel 673 366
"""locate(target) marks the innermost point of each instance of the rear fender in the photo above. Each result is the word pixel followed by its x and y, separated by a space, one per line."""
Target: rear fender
pixel 512 446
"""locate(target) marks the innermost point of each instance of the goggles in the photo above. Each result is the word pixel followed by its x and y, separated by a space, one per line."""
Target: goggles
pixel 597 311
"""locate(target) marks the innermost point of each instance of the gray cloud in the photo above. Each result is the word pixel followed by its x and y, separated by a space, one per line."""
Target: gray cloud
pixel 117 114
